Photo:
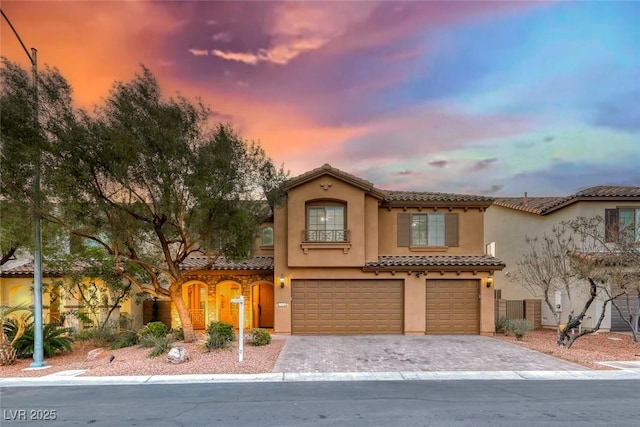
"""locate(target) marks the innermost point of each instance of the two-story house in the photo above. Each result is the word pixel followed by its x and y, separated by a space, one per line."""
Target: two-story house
pixel 509 220
pixel 350 258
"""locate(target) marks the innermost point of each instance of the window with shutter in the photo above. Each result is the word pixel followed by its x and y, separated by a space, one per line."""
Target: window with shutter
pixel 622 223
pixel 433 229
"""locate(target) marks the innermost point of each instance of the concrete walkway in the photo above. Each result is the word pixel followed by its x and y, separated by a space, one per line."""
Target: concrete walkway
pixel 378 358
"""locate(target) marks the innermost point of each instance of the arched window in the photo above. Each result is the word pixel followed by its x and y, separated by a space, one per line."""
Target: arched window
pixel 267 236
pixel 326 221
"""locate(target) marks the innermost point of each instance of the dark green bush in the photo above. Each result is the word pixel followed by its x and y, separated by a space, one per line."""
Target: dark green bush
pixel 157 329
pixel 100 337
pixel 126 339
pixel 219 335
pixel 259 337
pixel 53 340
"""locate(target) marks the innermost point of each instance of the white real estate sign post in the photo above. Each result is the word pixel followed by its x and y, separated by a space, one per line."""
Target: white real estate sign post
pixel 240 302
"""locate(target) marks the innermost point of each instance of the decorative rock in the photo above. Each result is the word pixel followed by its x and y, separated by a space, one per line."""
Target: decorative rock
pixel 177 355
pixel 96 353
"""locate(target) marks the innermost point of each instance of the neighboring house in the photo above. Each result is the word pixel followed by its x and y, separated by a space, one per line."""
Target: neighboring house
pixel 509 220
pixel 349 258
pixel 16 288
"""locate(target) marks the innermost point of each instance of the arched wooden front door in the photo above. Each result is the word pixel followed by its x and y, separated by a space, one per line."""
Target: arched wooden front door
pixel 262 298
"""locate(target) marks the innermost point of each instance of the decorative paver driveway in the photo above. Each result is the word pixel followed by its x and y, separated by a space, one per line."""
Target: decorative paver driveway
pixel 388 353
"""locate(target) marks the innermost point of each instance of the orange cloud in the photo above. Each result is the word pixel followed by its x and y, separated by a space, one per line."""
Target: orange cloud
pixel 92 43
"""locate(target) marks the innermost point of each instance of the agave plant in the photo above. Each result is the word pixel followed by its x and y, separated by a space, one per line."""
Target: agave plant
pixel 13 327
pixel 54 339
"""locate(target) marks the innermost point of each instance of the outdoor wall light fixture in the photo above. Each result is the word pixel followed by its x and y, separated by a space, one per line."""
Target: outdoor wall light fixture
pixel 282 280
pixel 489 282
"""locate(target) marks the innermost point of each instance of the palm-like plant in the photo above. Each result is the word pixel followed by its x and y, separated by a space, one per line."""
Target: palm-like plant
pixel 53 340
pixel 11 318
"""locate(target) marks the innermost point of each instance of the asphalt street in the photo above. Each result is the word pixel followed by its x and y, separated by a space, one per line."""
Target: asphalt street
pixel 355 403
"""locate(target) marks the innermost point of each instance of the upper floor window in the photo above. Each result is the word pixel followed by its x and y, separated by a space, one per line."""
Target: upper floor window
pixel 622 223
pixel 326 223
pixel 427 229
pixel 267 236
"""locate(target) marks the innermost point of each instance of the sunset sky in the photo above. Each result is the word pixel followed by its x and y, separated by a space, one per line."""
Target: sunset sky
pixel 494 98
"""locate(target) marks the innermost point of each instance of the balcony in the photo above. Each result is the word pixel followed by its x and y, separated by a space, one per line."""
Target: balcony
pixel 326 239
pixel 322 236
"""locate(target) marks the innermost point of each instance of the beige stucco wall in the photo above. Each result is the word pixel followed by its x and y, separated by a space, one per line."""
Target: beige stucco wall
pixel 339 255
pixel 470 232
pixel 508 228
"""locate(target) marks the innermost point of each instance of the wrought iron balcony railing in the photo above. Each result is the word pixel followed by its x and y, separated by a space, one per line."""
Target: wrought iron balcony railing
pixel 321 236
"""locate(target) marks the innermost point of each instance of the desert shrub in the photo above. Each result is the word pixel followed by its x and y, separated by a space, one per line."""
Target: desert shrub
pixel 178 334
pixel 502 325
pixel 219 335
pixel 519 327
pixel 259 337
pixel 157 329
pixel 53 340
pixel 126 339
pixel 100 337
pixel 158 345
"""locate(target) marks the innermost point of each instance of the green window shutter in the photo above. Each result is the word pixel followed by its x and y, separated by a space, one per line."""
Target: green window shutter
pixel 610 225
pixel 404 230
pixel 451 229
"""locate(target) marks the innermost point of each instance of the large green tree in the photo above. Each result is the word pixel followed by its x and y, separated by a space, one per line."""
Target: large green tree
pixel 151 180
pixel 20 139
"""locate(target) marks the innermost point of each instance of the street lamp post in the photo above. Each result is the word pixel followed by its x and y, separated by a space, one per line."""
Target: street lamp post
pixel 38 348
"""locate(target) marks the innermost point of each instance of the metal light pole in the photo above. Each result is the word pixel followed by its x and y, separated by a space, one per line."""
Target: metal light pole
pixel 38 348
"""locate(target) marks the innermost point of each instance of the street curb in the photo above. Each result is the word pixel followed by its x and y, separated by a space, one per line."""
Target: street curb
pixel 56 380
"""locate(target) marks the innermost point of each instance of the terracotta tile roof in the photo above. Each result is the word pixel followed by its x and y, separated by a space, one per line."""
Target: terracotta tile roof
pixel 609 191
pixel 537 205
pixel 26 269
pixel 436 261
pixel 254 263
pixel 624 258
pixel 418 196
pixel 327 169
pixel 546 205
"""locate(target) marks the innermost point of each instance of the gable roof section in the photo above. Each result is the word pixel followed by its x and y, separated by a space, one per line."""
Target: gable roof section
pixel 391 198
pixel 327 169
pixel 435 263
pixel 547 205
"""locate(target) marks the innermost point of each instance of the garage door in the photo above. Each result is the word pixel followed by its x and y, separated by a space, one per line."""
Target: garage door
pixel 453 307
pixel 346 307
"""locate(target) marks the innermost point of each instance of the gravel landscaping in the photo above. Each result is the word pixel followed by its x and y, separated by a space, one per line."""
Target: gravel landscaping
pixel 586 351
